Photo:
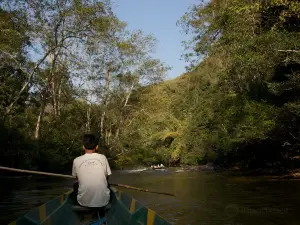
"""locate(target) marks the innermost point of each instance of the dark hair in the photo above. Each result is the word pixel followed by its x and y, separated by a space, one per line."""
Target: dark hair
pixel 90 141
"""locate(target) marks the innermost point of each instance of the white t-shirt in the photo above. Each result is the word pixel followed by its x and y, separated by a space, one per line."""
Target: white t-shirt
pixel 91 171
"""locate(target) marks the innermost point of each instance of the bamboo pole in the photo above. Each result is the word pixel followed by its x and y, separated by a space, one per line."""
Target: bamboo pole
pixel 35 172
pixel 141 189
pixel 72 177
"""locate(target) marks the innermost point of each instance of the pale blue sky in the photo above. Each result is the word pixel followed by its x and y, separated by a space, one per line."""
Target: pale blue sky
pixel 158 17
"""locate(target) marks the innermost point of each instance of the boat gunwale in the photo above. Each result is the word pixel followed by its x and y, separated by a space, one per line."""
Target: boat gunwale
pixel 143 206
pixel 59 197
pixel 117 193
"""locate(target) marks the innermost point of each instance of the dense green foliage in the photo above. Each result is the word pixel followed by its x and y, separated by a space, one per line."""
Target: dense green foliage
pixel 240 105
pixel 67 68
pixel 237 106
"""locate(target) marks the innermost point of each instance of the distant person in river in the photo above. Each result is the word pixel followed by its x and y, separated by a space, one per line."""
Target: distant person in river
pixel 92 171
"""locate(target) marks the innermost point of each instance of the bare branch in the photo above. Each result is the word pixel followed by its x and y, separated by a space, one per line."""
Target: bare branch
pixel 9 108
pixel 295 51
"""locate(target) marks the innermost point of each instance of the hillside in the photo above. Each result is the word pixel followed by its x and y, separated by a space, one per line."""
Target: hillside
pixel 237 108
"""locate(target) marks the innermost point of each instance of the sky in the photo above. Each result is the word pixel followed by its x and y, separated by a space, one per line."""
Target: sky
pixel 158 17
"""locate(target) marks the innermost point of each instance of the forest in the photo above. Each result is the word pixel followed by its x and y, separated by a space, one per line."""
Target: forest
pixel 71 67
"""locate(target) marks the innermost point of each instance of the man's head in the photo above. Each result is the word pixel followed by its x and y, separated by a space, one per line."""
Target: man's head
pixel 90 143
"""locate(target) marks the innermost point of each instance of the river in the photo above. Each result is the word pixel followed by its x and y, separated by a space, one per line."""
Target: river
pixel 202 198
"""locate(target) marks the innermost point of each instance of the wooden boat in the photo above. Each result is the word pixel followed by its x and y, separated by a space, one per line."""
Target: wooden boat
pixel 158 168
pixel 122 210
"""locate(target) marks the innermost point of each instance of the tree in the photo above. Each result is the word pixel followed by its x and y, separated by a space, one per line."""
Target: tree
pixel 13 41
pixel 251 46
pixel 54 26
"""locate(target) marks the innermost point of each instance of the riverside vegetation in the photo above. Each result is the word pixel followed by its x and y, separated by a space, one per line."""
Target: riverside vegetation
pixel 69 67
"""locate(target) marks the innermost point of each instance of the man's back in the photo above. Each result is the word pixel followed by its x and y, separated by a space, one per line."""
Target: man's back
pixel 91 170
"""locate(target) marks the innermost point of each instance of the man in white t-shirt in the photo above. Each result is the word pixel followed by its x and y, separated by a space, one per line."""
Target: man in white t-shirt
pixel 92 171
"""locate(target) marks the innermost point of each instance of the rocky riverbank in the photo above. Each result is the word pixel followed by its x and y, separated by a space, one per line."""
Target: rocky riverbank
pixel 207 167
pixel 269 172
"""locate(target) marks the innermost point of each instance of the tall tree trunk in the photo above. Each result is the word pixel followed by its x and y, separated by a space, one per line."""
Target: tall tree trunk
pixel 116 137
pixel 59 99
pixel 117 134
pixel 128 95
pixel 88 119
pixel 88 112
pixel 39 120
pixel 54 83
pixel 106 99
pixel 102 123
pixel 108 136
pixel 53 91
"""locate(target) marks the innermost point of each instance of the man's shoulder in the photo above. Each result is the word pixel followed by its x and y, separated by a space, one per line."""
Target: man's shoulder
pixel 78 158
pixel 85 156
pixel 100 156
pixel 89 156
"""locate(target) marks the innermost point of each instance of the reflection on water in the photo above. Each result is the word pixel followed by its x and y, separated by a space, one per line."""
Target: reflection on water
pixel 201 197
pixel 22 194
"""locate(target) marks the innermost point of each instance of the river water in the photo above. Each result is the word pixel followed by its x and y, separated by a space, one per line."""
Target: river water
pixel 202 198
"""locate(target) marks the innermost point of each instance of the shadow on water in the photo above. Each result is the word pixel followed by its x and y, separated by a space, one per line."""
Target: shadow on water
pixel 20 194
pixel 202 197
